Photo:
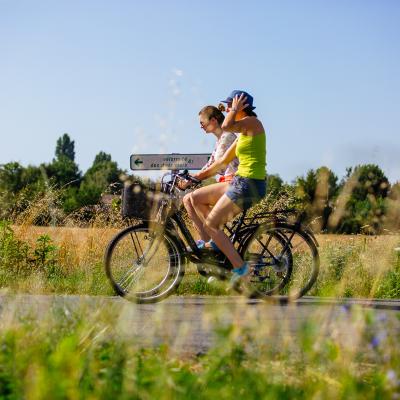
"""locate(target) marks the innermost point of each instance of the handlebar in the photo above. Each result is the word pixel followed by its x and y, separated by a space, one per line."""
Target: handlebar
pixel 185 175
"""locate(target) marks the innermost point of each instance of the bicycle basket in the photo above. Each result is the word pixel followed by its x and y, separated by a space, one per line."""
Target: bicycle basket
pixel 140 201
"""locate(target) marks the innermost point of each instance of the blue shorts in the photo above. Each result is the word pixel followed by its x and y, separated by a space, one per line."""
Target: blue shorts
pixel 245 192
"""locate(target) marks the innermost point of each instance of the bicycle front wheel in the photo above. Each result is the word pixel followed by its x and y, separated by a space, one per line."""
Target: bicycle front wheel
pixel 144 263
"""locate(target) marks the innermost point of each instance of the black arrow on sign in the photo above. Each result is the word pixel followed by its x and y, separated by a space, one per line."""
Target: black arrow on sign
pixel 138 161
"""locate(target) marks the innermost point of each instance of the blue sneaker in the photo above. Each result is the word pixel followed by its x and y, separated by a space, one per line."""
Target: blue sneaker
pixel 199 243
pixel 238 274
pixel 213 245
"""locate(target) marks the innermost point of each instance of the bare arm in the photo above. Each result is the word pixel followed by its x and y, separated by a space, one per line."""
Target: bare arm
pixel 229 124
pixel 248 125
pixel 219 164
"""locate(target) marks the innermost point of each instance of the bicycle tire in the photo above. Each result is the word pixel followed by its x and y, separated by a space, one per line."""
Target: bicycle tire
pixel 128 257
pixel 304 258
pixel 270 267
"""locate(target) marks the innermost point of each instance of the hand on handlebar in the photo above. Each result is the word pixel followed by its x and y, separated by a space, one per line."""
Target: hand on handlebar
pixel 183 184
pixel 186 180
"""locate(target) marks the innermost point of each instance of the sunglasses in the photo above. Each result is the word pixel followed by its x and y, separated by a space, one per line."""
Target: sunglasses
pixel 224 107
pixel 204 125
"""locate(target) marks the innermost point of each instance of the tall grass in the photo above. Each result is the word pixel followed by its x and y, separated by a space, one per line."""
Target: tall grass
pixel 69 259
pixel 92 352
pixel 64 353
pixel 358 266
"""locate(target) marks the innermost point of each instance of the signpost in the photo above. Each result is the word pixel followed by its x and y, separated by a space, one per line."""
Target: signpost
pixel 174 161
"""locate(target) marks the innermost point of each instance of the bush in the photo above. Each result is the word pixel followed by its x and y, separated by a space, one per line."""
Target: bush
pixel 14 253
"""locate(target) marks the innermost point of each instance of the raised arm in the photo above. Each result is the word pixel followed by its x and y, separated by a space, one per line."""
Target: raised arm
pixel 247 125
pixel 230 124
pixel 219 164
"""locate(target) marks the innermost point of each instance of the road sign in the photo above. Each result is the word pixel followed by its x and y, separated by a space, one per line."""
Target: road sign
pixel 142 162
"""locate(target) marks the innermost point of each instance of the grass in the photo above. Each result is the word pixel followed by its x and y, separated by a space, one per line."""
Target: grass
pixel 53 260
pixel 69 260
pixel 358 266
pixel 90 352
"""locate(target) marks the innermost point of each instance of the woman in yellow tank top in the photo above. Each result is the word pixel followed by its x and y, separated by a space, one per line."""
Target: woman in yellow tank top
pixel 248 185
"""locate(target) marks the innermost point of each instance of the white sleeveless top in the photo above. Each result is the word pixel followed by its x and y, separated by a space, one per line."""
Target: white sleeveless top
pixel 221 146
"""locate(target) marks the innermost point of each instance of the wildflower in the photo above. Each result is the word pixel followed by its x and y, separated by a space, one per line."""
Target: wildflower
pixel 381 317
pixel 346 308
pixel 378 338
pixel 375 341
pixel 392 378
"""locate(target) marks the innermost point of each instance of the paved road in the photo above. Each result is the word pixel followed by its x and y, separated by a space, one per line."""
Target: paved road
pixel 189 324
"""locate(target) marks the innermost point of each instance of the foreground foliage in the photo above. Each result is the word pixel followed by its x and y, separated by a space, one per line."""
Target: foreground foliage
pixel 67 354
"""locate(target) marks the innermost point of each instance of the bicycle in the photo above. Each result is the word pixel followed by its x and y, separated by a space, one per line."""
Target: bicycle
pixel 146 261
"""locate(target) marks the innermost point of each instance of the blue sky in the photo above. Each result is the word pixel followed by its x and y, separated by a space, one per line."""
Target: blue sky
pixel 131 76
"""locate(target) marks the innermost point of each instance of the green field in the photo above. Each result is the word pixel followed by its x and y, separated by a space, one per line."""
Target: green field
pixel 70 260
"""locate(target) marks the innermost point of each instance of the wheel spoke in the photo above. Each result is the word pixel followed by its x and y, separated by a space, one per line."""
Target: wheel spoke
pixel 265 247
pixel 143 264
pixel 134 244
pixel 128 278
pixel 292 260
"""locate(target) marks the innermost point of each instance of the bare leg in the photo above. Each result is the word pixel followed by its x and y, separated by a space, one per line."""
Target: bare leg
pixel 207 196
pixel 198 224
pixel 223 211
pixel 204 198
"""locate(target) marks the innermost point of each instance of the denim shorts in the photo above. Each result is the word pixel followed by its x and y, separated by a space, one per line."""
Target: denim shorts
pixel 245 192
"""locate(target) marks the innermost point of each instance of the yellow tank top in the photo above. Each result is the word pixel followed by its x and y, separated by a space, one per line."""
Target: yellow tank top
pixel 251 152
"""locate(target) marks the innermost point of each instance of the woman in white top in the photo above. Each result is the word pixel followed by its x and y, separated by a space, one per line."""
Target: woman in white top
pixel 211 119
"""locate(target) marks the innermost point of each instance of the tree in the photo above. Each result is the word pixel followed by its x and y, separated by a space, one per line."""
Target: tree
pixel 274 183
pixel 317 192
pixel 392 215
pixel 98 178
pixel 65 147
pixel 366 205
pixel 18 186
pixel 101 157
pixel 11 177
pixel 63 171
pixel 33 176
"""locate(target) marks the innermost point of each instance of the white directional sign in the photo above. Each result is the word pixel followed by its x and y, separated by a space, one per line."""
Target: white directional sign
pixel 168 161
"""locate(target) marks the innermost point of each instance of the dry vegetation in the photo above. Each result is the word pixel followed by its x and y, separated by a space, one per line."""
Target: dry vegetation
pixel 351 265
pixel 69 259
pixel 83 353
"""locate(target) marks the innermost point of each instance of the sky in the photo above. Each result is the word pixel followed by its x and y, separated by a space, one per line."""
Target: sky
pixel 130 77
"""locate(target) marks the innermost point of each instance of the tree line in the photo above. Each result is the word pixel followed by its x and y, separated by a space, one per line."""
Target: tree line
pixel 19 184
pixel 363 201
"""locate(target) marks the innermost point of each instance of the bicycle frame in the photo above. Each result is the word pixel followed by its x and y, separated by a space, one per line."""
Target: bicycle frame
pixel 239 231
pixel 195 255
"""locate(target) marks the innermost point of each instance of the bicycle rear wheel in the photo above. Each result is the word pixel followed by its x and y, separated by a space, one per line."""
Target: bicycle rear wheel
pixel 289 258
pixel 270 262
pixel 144 263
